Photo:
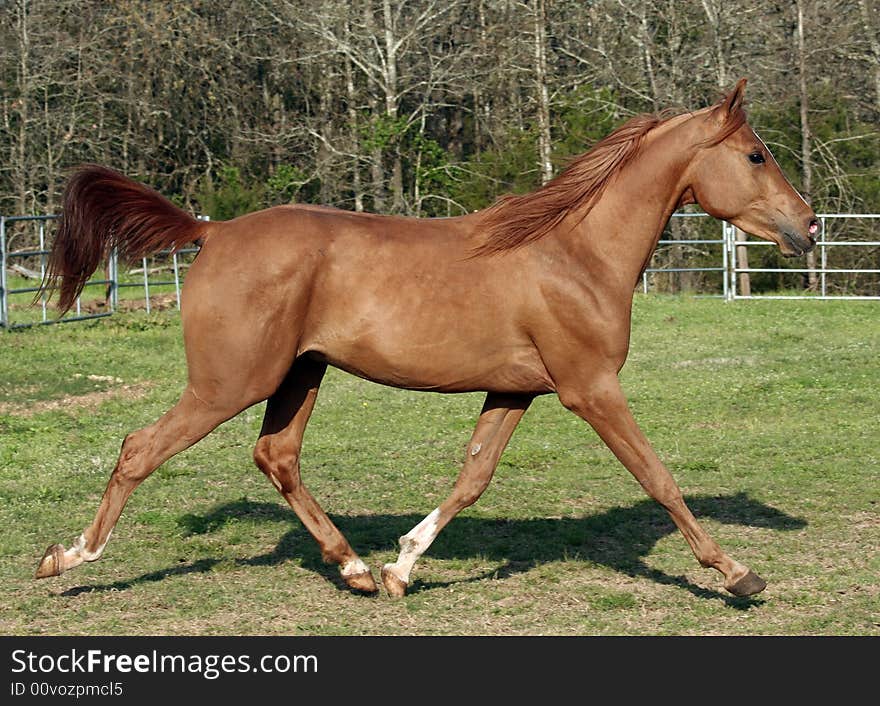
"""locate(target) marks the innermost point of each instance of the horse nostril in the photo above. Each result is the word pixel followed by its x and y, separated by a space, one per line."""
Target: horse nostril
pixel 814 226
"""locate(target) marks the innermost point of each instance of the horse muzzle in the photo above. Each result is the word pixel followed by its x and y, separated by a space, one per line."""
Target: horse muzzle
pixel 794 244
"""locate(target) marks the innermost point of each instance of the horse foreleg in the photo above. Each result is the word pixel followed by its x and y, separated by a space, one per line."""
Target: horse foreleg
pixel 142 452
pixel 498 419
pixel 603 405
pixel 277 455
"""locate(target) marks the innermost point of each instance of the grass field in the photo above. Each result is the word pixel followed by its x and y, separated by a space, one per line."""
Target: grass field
pixel 766 413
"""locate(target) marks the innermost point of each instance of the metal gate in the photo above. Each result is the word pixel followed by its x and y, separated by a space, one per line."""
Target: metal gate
pixel 31 261
pixel 735 249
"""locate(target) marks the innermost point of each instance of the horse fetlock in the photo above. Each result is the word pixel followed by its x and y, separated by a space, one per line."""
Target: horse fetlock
pixel 353 567
pixel 337 550
pixel 80 547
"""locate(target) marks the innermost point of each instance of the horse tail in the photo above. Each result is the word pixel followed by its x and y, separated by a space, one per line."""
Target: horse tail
pixel 103 209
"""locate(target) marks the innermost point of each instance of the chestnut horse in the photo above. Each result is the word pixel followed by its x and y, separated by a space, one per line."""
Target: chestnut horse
pixel 529 297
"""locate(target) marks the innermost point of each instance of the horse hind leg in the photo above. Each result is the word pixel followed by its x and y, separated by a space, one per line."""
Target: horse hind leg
pixel 498 419
pixel 142 452
pixel 277 455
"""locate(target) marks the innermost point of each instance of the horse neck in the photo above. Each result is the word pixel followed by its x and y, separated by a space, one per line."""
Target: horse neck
pixel 620 232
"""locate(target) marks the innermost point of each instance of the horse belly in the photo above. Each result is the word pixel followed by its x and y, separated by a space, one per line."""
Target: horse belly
pixel 442 367
pixel 416 313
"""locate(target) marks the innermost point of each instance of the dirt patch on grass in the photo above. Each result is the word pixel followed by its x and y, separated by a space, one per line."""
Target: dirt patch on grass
pixel 715 362
pixel 158 302
pixel 90 400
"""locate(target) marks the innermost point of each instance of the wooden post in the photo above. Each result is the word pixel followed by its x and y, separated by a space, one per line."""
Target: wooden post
pixel 742 262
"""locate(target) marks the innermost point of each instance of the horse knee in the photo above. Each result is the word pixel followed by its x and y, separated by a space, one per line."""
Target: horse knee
pixel 281 466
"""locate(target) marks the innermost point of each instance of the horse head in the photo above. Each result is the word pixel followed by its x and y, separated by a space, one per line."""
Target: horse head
pixel 734 177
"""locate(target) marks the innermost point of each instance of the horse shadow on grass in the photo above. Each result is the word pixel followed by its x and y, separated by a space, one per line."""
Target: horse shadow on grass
pixel 620 539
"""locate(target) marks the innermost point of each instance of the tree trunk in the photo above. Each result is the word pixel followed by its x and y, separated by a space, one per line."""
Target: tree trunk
pixel 812 280
pixel 377 170
pixel 540 27
pixel 355 150
pixel 479 104
pixel 713 15
pixel 682 228
pixel 377 161
pixel 24 87
pixel 647 55
pixel 510 58
pixel 874 43
pixel 324 157
pixel 391 99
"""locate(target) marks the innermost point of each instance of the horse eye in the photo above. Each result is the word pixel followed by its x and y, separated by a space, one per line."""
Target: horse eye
pixel 756 158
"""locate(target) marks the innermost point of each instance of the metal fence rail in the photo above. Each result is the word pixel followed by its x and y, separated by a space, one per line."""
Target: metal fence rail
pixel 111 283
pixel 726 272
pixel 822 271
pixel 652 269
pixel 8 258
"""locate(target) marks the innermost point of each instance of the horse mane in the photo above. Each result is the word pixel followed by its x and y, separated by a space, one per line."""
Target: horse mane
pixel 515 220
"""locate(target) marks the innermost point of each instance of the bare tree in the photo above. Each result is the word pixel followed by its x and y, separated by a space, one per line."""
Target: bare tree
pixel 539 24
pixel 417 106
pixel 872 34
pixel 806 136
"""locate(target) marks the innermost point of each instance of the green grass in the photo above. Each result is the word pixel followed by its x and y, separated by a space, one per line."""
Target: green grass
pixel 765 412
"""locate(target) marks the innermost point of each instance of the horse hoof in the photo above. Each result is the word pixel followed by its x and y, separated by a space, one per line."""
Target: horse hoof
pixel 362 582
pixel 52 562
pixel 395 587
pixel 748 585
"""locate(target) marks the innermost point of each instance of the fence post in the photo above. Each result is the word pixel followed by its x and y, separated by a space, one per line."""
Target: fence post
pixel 824 256
pixel 42 237
pixel 742 256
pixel 113 267
pixel 725 288
pixel 176 278
pixel 4 304
pixel 730 254
pixel 146 286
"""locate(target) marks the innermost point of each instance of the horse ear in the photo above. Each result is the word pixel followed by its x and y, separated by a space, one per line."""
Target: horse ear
pixel 732 103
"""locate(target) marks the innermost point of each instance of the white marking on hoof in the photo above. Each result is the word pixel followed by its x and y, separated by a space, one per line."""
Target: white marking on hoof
pixel 354 566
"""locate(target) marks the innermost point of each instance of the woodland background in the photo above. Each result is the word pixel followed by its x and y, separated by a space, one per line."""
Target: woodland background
pixel 422 107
